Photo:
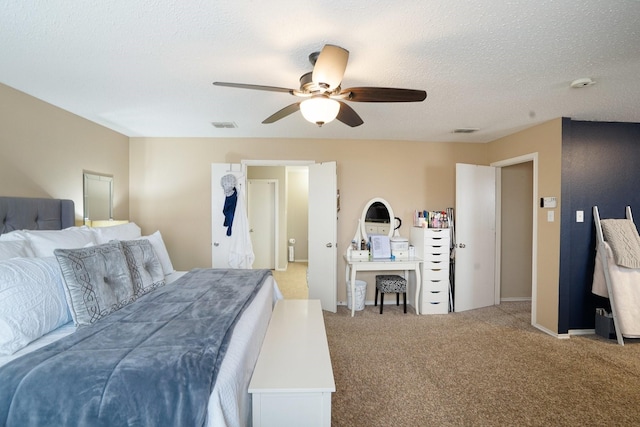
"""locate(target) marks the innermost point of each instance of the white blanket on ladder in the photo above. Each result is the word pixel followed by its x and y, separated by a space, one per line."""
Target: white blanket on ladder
pixel 625 285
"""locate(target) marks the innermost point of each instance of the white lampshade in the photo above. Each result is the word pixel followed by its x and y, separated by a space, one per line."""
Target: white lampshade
pixel 319 109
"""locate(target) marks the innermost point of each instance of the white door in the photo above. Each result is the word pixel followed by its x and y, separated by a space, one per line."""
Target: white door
pixel 323 238
pixel 475 237
pixel 219 238
pixel 261 196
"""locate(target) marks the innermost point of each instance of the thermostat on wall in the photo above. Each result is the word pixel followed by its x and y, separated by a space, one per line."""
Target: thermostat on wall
pixel 548 202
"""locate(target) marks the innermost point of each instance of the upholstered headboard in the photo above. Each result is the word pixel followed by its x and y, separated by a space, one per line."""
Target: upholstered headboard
pixel 23 213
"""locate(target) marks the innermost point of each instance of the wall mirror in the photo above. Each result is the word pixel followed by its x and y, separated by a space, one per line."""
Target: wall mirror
pixel 377 218
pixel 98 197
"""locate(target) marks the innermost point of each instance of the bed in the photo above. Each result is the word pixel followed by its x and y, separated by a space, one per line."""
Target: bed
pixel 617 271
pixel 40 244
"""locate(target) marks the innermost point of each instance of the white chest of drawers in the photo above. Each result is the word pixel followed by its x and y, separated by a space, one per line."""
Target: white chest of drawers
pixel 432 245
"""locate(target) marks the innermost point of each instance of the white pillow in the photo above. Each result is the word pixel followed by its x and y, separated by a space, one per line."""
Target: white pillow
pixel 12 236
pixel 128 231
pixel 15 249
pixel 44 242
pixel 161 251
pixel 32 301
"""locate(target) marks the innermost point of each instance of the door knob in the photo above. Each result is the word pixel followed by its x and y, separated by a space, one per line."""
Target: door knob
pixel 329 245
pixel 462 245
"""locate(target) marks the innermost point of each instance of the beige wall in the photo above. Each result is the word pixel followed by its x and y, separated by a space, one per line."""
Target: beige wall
pixel 165 183
pixel 171 183
pixel 45 151
pixel 546 140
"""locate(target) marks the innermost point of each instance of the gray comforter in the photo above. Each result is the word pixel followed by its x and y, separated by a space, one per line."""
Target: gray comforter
pixel 152 363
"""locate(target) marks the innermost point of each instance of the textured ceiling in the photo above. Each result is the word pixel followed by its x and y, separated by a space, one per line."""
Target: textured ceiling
pixel 146 67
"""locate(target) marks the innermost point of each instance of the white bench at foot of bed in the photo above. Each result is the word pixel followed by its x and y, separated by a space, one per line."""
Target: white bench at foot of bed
pixel 293 378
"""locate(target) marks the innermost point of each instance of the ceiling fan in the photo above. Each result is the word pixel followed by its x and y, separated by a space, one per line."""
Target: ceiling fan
pixel 323 97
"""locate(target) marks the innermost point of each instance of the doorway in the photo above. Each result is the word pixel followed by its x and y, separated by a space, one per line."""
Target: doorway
pixel 516 224
pixel 516 237
pixel 291 220
pixel 262 195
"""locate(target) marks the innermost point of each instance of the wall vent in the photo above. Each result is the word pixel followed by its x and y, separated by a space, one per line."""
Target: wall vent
pixel 466 130
pixel 224 125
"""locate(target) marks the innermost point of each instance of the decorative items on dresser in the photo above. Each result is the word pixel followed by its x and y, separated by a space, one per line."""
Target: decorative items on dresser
pixel 433 246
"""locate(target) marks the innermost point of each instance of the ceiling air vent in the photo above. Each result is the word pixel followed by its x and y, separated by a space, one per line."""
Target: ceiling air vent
pixel 466 130
pixel 224 125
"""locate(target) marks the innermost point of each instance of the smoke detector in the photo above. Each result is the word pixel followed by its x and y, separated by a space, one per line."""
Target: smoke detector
pixel 576 84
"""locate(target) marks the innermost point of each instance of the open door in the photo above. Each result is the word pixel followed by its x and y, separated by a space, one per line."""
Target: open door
pixel 220 241
pixel 475 237
pixel 323 235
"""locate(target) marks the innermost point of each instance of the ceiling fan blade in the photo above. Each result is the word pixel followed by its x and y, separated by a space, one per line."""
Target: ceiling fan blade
pixel 330 66
pixel 383 94
pixel 289 109
pixel 348 116
pixel 255 87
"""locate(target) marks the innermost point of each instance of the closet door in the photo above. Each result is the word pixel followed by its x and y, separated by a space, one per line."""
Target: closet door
pixel 475 237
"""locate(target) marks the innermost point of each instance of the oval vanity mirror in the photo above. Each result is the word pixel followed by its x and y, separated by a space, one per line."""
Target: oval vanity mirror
pixel 377 217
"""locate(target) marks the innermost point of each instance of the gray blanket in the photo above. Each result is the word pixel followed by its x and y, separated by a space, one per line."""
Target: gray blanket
pixel 152 363
pixel 622 236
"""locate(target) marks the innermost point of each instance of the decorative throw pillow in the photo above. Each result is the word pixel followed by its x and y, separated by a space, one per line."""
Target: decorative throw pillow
pixel 161 251
pixel 97 281
pixel 144 266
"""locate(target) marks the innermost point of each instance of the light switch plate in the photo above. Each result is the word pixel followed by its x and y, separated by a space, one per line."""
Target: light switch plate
pixel 550 216
pixel 579 216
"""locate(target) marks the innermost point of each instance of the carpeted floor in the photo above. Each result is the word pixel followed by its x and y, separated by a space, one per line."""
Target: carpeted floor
pixel 293 281
pixel 485 367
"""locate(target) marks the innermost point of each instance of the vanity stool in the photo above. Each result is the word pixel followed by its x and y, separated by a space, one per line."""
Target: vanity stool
pixel 388 283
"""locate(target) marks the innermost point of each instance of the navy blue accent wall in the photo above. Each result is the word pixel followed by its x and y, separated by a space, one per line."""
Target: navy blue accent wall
pixel 600 167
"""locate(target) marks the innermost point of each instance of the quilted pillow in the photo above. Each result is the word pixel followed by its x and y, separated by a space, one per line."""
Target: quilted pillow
pixel 32 301
pixel 144 266
pixel 161 251
pixel 97 281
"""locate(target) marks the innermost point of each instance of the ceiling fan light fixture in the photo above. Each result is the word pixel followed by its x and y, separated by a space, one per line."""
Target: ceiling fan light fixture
pixel 319 109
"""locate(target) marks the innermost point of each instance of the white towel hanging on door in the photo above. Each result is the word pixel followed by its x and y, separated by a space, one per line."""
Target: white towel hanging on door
pixel 240 249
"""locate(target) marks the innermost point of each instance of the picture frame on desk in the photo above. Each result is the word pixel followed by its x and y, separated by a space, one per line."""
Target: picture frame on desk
pixel 380 247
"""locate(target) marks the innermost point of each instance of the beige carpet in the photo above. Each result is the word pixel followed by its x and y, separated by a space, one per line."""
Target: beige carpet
pixel 485 367
pixel 293 281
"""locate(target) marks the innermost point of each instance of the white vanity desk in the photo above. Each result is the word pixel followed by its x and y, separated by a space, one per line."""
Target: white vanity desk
pixel 355 265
